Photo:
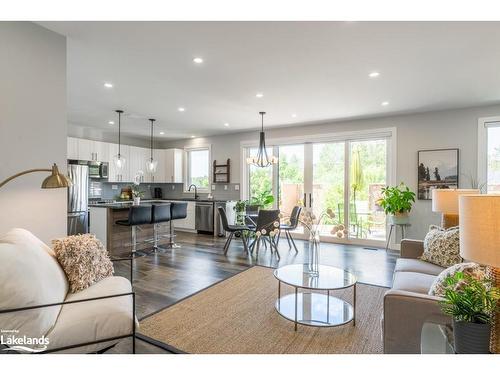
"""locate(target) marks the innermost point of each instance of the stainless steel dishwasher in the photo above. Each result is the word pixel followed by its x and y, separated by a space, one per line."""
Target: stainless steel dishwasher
pixel 204 217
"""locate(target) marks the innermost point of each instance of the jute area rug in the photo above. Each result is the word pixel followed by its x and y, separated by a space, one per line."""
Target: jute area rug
pixel 238 316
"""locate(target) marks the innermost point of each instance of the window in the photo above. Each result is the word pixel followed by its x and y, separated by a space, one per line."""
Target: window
pixel 198 167
pixel 493 162
pixel 344 172
pixel 488 179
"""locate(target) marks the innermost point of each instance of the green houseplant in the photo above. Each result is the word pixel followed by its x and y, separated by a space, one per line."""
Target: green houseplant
pixel 471 302
pixel 397 201
pixel 262 199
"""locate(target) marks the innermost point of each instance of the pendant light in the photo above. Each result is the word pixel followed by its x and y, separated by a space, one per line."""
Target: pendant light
pixel 262 159
pixel 118 159
pixel 151 164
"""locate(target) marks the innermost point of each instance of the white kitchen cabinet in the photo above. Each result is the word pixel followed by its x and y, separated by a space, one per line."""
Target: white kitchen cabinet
pixel 114 174
pixel 138 159
pixel 72 149
pixel 85 149
pixel 173 165
pixel 189 223
pixel 161 173
pixel 100 151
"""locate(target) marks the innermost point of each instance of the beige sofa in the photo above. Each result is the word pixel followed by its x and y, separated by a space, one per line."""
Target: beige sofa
pixel 84 322
pixel 407 306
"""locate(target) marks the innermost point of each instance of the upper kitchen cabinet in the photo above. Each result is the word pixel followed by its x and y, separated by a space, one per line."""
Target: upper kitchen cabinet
pixel 114 174
pixel 72 148
pixel 100 151
pixel 138 158
pixel 85 149
pixel 173 165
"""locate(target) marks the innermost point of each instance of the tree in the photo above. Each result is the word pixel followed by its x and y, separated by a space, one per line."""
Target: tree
pixel 436 174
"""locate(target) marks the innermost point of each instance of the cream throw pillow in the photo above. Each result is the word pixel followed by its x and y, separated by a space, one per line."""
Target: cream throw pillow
pixel 84 260
pixel 442 246
pixel 439 285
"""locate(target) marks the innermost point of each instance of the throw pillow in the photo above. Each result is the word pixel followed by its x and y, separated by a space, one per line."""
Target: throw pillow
pixel 84 260
pixel 439 284
pixel 442 246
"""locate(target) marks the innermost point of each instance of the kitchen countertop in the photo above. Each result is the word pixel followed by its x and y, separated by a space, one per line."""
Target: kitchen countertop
pixel 148 202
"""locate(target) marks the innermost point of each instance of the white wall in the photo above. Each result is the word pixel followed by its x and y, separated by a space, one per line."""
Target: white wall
pixel 444 129
pixel 32 127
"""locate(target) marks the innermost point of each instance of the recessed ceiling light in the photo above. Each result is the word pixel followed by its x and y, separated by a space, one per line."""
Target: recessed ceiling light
pixel 108 85
pixel 111 122
pixel 181 109
pixel 259 95
pixel 198 60
pixel 385 103
pixel 226 124
pixel 294 115
pixel 192 136
pixel 161 133
pixel 373 74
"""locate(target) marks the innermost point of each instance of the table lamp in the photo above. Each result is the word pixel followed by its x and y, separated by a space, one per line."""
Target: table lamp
pixel 446 202
pixel 480 243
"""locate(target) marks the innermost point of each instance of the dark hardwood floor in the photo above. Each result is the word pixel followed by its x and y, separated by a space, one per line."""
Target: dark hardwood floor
pixel 163 278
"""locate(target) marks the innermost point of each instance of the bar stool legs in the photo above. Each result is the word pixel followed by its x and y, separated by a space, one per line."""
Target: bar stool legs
pixel 172 244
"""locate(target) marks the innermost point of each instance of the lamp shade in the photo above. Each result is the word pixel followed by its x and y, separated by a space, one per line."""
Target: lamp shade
pixel 446 200
pixel 480 228
pixel 56 180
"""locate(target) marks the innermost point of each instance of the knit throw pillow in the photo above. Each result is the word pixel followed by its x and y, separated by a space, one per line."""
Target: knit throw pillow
pixel 442 246
pixel 473 269
pixel 84 260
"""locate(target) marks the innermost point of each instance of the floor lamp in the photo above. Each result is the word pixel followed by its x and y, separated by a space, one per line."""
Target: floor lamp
pixel 445 201
pixel 54 181
pixel 480 243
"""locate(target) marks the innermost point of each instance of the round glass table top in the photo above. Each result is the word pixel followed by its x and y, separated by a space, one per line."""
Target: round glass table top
pixel 329 277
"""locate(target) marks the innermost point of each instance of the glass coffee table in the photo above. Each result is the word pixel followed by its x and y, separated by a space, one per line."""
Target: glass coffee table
pixel 310 307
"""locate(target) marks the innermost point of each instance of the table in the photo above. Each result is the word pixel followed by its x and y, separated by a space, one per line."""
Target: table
pixel 309 307
pixel 436 339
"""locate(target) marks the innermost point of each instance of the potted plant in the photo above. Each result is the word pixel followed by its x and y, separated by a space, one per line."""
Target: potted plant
pixel 239 207
pixel 263 199
pixel 137 195
pixel 471 302
pixel 397 202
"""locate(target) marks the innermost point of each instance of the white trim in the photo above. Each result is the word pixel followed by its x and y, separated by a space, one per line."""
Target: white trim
pixel 325 137
pixel 482 147
pixel 389 133
pixel 185 161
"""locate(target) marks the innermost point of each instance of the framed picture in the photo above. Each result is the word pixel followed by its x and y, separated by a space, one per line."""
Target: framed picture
pixel 437 169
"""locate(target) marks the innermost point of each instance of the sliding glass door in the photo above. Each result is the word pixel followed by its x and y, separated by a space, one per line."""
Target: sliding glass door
pixel 344 175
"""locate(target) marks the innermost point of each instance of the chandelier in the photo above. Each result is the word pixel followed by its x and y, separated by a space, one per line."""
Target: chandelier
pixel 262 159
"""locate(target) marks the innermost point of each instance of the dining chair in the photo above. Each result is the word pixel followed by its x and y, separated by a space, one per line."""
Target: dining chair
pixel 287 228
pixel 232 229
pixel 264 225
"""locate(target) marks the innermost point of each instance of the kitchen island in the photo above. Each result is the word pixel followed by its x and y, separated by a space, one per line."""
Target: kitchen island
pixel 117 238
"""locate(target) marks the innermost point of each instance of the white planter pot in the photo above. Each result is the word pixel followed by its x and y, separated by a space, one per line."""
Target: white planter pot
pixel 137 201
pixel 400 218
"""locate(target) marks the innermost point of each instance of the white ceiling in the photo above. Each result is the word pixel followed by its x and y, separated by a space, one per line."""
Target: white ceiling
pixel 317 70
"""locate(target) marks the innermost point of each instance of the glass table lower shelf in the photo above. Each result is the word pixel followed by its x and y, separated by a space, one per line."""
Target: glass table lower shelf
pixel 315 309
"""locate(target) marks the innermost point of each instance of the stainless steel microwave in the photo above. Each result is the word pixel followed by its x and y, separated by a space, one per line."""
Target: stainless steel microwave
pixel 97 170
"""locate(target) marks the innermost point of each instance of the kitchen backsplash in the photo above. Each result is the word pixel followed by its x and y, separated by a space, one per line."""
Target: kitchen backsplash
pixel 175 191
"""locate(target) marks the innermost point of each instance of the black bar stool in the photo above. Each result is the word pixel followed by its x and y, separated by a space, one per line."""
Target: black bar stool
pixel 137 215
pixel 160 214
pixel 178 210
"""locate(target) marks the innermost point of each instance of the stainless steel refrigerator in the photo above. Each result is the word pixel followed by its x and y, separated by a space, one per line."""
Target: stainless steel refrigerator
pixel 78 196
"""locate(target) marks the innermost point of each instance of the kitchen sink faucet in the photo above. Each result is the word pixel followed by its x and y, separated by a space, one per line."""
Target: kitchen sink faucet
pixel 196 196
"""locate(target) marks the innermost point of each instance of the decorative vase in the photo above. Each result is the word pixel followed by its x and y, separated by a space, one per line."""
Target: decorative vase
pixel 400 218
pixel 471 338
pixel 313 253
pixel 137 201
